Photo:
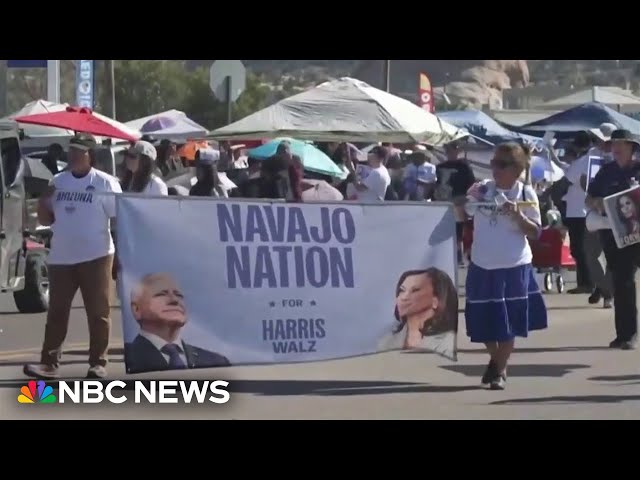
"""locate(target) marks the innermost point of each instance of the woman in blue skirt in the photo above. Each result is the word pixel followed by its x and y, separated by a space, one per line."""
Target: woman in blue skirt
pixel 503 299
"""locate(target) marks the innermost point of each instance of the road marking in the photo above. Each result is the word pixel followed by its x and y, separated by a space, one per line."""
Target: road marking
pixel 7 354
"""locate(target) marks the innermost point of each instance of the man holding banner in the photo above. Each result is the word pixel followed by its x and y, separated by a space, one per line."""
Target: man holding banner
pixel 80 206
pixel 503 297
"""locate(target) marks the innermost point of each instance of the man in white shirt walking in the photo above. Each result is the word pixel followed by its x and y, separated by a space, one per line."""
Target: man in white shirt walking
pixel 576 174
pixel 79 206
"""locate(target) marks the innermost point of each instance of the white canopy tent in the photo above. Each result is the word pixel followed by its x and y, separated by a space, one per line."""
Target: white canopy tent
pixel 37 131
pixel 343 110
pixel 172 124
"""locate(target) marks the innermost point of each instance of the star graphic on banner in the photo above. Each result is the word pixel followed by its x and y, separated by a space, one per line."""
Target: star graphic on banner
pixel 312 303
pixel 272 304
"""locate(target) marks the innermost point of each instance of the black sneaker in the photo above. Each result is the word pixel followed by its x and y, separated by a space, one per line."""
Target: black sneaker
pixel 607 303
pixel 499 382
pixel 488 375
pixel 595 297
pixel 579 290
pixel 615 343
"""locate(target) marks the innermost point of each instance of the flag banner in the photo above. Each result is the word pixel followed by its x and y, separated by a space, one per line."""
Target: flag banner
pixel 207 283
pixel 425 93
pixel 623 211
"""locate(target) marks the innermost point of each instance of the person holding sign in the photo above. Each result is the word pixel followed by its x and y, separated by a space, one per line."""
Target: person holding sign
pixel 503 298
pixel 612 178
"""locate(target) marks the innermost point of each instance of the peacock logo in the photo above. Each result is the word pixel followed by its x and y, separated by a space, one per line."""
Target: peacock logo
pixel 36 392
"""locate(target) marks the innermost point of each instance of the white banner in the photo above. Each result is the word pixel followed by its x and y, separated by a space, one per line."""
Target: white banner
pixel 250 282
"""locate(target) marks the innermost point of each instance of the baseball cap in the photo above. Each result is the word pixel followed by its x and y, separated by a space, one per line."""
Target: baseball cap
pixel 143 148
pixel 83 141
pixel 604 131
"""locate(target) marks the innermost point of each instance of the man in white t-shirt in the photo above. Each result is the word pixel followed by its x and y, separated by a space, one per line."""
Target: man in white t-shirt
pixel 373 187
pixel 576 211
pixel 79 205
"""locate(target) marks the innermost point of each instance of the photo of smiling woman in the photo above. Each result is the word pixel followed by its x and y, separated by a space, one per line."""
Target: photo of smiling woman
pixel 426 313
pixel 627 209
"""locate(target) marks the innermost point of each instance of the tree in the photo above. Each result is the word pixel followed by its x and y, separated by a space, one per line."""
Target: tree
pixel 203 107
pixel 145 87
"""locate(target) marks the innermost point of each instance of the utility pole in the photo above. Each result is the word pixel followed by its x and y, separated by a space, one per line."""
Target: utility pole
pixel 111 86
pixel 387 75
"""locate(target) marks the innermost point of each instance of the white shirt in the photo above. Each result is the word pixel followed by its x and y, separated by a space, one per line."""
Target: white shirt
pixel 497 241
pixel 159 343
pixel 81 230
pixel 596 152
pixel 377 181
pixel 156 187
pixel 576 196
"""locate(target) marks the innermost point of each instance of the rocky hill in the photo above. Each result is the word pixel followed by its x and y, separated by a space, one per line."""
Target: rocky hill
pixel 469 82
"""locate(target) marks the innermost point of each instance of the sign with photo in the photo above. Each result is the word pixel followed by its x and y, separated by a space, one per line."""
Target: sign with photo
pixel 623 210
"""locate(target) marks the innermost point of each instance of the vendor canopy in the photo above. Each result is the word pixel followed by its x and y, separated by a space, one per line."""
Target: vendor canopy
pixel 343 110
pixel 172 124
pixel 36 131
pixel 482 126
pixel 583 117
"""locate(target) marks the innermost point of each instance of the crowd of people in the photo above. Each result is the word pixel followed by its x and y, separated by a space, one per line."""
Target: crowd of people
pixel 503 299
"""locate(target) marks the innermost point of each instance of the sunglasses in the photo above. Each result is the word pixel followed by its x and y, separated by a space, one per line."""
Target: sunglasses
pixel 500 163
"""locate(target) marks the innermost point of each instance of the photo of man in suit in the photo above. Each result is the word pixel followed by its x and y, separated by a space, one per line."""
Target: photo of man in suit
pixel 157 304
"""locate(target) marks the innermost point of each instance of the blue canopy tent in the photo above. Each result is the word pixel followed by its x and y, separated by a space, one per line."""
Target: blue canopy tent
pixel 581 118
pixel 482 126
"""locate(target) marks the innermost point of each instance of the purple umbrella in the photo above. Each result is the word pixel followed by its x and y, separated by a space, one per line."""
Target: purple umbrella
pixel 158 123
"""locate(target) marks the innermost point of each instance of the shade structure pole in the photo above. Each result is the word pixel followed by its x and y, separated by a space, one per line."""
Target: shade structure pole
pixel 53 81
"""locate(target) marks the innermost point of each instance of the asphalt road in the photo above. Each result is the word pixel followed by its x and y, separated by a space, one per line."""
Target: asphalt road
pixel 565 372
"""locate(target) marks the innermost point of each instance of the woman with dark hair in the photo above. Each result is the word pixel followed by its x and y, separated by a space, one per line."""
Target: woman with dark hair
pixel 426 311
pixel 169 162
pixel 208 181
pixel 283 174
pixel 139 176
pixel 503 297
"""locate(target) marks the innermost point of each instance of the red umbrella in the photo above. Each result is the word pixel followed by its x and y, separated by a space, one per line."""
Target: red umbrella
pixel 82 120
